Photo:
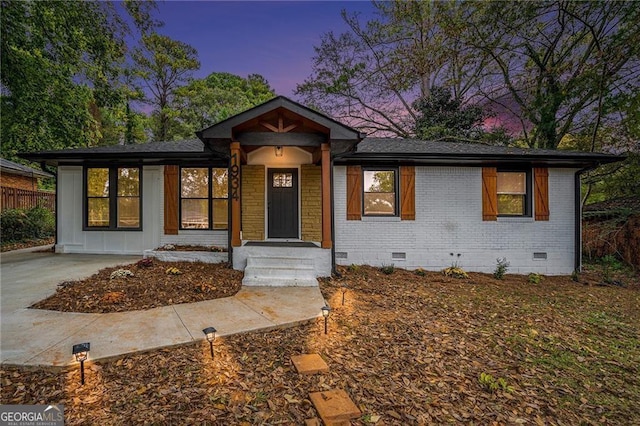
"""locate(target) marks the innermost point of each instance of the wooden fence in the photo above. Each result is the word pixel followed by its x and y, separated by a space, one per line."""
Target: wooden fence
pixel 14 198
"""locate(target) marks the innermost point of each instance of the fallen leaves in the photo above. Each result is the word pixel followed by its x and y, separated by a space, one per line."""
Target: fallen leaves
pixel 408 349
pixel 150 286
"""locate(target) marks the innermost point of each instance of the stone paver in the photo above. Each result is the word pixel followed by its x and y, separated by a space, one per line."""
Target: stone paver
pixel 334 406
pixel 309 364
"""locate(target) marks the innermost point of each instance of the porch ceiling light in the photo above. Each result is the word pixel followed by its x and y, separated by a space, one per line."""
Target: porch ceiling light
pixel 279 151
pixel 210 333
pixel 81 353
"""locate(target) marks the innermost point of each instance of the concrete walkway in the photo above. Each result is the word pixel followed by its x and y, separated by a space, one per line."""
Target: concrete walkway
pixel 37 337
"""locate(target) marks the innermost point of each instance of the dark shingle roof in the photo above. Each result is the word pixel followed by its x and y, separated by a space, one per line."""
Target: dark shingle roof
pixel 415 150
pixel 7 166
pixel 192 145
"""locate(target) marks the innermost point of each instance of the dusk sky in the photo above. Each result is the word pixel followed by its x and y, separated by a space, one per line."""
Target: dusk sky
pixel 274 39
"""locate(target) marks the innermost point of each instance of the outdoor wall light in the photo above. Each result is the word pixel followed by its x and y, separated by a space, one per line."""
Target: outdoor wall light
pixel 325 313
pixel 81 353
pixel 210 332
pixel 343 288
pixel 279 151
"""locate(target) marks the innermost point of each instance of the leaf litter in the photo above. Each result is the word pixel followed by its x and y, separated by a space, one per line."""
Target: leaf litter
pixel 407 349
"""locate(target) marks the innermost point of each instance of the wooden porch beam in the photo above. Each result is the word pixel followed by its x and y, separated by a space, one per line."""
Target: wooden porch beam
pixel 326 196
pixel 234 179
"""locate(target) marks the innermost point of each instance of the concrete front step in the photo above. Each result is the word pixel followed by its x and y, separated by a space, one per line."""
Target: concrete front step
pixel 280 261
pixel 279 282
pixel 280 271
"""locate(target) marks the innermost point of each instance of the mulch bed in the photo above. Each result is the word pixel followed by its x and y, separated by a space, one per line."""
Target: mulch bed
pixel 149 287
pixel 26 244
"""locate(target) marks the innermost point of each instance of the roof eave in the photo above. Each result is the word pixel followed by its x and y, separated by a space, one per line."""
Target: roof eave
pixel 478 159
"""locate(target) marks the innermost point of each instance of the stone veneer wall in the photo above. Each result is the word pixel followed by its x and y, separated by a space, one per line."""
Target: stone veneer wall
pixel 252 191
pixel 311 202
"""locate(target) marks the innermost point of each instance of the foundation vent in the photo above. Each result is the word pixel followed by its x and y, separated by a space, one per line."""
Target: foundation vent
pixel 399 255
pixel 341 255
pixel 541 255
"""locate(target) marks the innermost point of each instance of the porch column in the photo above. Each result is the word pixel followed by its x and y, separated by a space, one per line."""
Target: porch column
pixel 234 176
pixel 326 195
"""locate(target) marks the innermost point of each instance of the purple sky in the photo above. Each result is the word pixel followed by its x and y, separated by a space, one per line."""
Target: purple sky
pixel 274 39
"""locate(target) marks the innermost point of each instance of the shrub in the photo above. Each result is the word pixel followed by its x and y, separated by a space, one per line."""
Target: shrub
pixel 535 278
pixel 388 269
pixel 501 268
pixel 21 225
pixel 121 273
pixel 455 272
pixel 421 272
pixel 144 263
pixel 43 222
pixel 173 271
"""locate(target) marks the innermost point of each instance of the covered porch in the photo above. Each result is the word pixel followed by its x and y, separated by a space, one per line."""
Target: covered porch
pixel 280 182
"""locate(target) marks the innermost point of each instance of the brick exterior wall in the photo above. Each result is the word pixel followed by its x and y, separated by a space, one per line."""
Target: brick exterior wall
pixel 20 182
pixel 311 202
pixel 449 227
pixel 252 191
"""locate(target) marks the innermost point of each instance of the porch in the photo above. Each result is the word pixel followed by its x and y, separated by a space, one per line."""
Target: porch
pixel 280 190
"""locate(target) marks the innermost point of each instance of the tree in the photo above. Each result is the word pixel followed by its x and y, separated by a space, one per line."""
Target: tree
pixel 163 64
pixel 60 63
pixel 441 116
pixel 218 96
pixel 370 75
pixel 557 60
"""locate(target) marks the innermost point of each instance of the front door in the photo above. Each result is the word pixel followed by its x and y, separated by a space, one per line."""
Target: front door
pixel 282 203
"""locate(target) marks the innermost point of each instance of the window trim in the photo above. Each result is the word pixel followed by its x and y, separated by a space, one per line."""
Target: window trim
pixel 528 203
pixel 396 188
pixel 210 198
pixel 113 197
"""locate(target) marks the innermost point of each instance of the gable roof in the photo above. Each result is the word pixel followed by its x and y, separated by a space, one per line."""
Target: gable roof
pixel 385 150
pixel 224 129
pixel 10 167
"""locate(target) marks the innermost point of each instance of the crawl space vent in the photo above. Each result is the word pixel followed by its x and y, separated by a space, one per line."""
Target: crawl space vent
pixel 540 255
pixel 399 255
pixel 341 255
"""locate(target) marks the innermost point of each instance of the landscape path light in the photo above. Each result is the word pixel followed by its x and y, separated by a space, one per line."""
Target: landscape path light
pixel 326 310
pixel 344 290
pixel 81 353
pixel 210 332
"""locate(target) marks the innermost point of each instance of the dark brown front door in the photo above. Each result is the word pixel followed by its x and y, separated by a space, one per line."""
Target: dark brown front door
pixel 282 203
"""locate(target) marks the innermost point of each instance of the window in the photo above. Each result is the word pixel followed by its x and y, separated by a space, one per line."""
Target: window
pixel 204 198
pixel 380 192
pixel 514 192
pixel 283 180
pixel 113 198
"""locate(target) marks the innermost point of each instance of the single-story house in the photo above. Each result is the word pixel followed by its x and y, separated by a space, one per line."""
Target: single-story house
pixel 19 176
pixel 283 181
pixel 19 185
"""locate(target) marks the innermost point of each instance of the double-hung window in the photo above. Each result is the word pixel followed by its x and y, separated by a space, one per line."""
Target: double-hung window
pixel 113 198
pixel 204 198
pixel 380 192
pixel 514 192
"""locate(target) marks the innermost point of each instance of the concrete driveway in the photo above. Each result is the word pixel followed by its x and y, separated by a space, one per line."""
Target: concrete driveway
pixel 39 337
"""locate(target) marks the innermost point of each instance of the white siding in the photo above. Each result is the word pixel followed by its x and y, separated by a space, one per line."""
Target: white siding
pixel 72 238
pixel 449 227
